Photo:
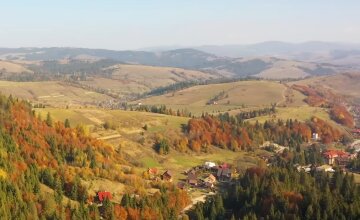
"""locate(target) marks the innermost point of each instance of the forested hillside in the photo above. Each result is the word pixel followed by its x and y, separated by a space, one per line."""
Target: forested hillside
pixel 233 133
pixel 36 152
pixel 284 193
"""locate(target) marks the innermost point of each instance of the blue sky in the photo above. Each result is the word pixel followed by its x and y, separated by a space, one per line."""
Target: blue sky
pixel 132 24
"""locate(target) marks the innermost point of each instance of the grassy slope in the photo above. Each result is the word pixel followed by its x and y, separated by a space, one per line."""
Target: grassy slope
pixel 243 93
pixel 302 113
pixel 346 84
pixel 11 67
pixel 131 123
pixel 51 93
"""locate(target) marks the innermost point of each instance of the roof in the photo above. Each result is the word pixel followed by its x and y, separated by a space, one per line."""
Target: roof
pixel 211 178
pixel 152 170
pixel 103 195
pixel 325 167
pixel 208 184
pixel 191 176
pixel 335 153
pixel 223 172
pixel 356 131
pixel 193 181
pixel 224 166
pixel 167 173
pixel 181 185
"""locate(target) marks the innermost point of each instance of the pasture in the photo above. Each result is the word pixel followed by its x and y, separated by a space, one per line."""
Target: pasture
pixel 237 95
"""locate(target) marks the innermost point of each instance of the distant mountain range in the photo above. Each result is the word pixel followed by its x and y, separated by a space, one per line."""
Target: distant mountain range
pixel 335 53
pixel 267 60
pixel 313 51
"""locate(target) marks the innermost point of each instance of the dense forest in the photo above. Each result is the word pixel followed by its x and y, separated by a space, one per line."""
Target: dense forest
pixel 284 193
pixel 35 153
pixel 232 132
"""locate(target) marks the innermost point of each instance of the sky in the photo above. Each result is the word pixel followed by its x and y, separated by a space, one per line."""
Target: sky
pixel 134 24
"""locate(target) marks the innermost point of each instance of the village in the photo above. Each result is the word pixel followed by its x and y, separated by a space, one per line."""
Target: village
pixel 208 178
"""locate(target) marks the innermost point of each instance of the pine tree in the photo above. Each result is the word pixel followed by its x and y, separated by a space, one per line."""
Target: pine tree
pixel 67 123
pixel 49 121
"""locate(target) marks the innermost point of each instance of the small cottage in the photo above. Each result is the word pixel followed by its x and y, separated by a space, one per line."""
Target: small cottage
pixel 167 176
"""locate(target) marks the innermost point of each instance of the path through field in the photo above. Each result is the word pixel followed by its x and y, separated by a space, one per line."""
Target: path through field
pixel 196 200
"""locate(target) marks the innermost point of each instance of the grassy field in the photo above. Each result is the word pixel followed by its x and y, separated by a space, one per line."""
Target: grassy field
pixel 302 113
pixel 51 93
pixel 127 121
pixel 242 94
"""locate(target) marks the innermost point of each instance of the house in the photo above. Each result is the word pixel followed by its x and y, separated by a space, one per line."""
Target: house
pixel 331 156
pixel 167 176
pixel 356 146
pixel 209 165
pixel 209 185
pixel 306 168
pixel 325 168
pixel 102 195
pixel 152 171
pixel 315 136
pixel 224 166
pixel 192 179
pixel 356 131
pixel 181 185
pixel 210 179
pixel 223 174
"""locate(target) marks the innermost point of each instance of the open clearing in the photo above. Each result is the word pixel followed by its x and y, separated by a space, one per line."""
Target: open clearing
pixel 51 93
pixel 242 94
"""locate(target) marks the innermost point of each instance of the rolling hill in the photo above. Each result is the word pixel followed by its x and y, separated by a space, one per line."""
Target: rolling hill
pixel 261 66
pixel 224 96
pixel 129 79
pixel 346 84
pixel 51 93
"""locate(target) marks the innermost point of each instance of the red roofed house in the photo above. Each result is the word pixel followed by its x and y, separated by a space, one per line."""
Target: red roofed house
pixel 102 195
pixel 332 156
pixel 153 172
pixel 356 131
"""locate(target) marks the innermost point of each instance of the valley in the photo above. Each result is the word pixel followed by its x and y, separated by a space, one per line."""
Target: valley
pixel 121 131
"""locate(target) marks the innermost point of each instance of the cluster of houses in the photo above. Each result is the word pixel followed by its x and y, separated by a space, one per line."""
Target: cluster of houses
pixel 165 176
pixel 331 157
pixel 206 176
pixel 338 157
